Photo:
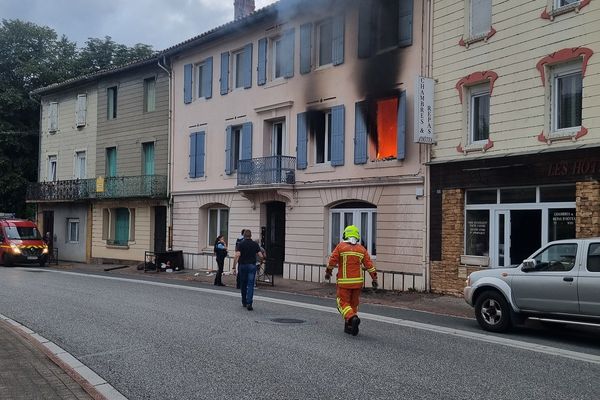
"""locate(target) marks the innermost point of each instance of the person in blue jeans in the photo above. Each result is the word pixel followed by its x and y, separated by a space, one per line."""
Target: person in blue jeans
pixel 248 252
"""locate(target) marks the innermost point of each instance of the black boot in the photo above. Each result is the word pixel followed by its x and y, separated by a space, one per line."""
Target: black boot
pixel 354 322
pixel 347 327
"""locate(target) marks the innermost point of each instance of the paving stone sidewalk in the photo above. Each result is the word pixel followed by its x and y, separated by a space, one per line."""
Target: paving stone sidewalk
pixel 27 373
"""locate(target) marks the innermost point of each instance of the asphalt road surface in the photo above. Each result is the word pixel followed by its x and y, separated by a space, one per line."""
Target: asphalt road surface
pixel 154 340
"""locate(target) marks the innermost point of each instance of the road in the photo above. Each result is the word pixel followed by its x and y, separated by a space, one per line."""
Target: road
pixel 158 340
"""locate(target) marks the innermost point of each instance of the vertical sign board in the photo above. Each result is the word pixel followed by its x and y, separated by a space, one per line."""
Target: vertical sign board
pixel 423 111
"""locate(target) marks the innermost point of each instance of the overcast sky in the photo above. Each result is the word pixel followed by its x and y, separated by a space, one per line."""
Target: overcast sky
pixel 159 23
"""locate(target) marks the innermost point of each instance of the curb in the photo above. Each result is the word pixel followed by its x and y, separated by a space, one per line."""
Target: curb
pixel 91 382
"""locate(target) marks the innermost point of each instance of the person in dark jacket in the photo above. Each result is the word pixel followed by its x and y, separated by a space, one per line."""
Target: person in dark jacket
pixel 220 253
pixel 235 259
pixel 248 252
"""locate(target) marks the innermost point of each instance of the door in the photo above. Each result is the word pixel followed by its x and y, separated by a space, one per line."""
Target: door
pixel 552 286
pixel 160 228
pixel 501 256
pixel 525 234
pixel 589 282
pixel 275 238
pixel 277 146
pixel 122 227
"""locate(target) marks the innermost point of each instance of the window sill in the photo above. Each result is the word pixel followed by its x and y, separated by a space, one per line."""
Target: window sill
pixel 481 146
pixel 320 168
pixel 117 246
pixel 376 164
pixel 575 7
pixel 199 179
pixel 483 37
pixel 276 82
pixel 572 134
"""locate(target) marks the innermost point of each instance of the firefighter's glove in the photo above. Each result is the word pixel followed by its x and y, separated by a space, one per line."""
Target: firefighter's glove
pixel 328 274
pixel 375 284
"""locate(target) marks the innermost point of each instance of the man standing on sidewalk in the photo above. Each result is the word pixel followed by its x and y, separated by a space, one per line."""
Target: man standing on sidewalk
pixel 249 251
pixel 350 257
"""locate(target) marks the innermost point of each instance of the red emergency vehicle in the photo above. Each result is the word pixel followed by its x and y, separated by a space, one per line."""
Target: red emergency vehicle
pixel 21 243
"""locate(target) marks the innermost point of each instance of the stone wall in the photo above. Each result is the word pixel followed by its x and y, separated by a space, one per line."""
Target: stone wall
pixel 588 209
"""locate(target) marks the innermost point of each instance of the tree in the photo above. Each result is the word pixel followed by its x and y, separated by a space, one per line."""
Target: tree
pixel 31 57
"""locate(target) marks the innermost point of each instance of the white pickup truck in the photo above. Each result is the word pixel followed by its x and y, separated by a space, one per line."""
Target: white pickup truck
pixel 560 283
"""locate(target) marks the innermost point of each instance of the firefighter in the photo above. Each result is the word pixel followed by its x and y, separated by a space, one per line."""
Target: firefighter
pixel 350 257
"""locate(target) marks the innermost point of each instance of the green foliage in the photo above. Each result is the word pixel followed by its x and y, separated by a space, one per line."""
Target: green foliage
pixel 31 57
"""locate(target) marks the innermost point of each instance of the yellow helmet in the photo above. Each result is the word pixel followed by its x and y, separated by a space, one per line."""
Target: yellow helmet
pixel 351 231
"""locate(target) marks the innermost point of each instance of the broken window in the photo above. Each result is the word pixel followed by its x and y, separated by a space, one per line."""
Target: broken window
pixel 320 131
pixel 383 132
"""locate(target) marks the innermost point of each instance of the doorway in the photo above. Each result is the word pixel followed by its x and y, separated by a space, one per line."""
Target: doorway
pixel 275 238
pixel 160 228
pixel 526 234
pixel 48 233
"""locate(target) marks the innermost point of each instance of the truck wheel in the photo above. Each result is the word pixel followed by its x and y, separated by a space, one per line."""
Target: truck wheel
pixel 6 261
pixel 492 312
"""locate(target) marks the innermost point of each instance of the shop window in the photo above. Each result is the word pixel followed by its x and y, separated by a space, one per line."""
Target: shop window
pixel 561 223
pixel 479 113
pixel 477 233
pixel 554 194
pixel 518 195
pixel 363 215
pixel 482 196
pixel 218 224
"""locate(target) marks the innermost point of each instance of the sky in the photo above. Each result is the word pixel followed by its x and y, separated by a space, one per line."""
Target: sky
pixel 159 23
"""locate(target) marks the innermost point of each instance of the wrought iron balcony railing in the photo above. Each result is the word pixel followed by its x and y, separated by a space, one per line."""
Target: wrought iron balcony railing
pixel 147 186
pixel 267 171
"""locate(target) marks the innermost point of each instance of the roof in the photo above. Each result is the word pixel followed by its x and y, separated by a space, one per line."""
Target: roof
pixel 205 37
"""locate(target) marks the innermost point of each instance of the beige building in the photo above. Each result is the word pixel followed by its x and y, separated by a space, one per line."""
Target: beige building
pixel 297 120
pixel 516 163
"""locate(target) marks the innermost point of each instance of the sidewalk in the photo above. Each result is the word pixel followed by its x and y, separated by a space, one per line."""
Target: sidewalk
pixel 26 372
pixel 427 302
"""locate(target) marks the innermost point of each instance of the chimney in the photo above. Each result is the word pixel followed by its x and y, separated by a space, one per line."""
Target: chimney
pixel 242 8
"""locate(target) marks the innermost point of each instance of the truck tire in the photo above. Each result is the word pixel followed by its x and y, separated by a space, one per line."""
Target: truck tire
pixel 6 261
pixel 493 312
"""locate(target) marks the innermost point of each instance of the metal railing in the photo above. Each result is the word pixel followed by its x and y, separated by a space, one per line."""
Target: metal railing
pixel 388 280
pixel 267 171
pixel 146 186
pixel 205 261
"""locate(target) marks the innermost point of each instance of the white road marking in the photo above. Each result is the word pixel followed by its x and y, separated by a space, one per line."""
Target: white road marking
pixel 482 337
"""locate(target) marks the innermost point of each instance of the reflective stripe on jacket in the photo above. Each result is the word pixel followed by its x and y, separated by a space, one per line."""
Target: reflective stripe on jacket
pixel 350 260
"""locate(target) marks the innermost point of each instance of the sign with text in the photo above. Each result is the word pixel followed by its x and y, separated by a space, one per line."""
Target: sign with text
pixel 423 111
pixel 100 184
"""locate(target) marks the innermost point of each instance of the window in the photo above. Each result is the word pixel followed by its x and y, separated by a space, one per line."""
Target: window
pixel 363 215
pixel 148 158
pixel 52 160
pixel 480 17
pixel 149 95
pixel 111 104
pixel 567 82
pixel 325 42
pixel 80 164
pixel 387 31
pixel 278 57
pixel 81 110
pixel 218 224
pixel 111 161
pixel 53 117
pixel 320 124
pixel 73 230
pixel 236 146
pixel 479 113
pixel 201 71
pixel 384 25
pixel 238 62
pixel 477 237
pixel 561 223
pixel 557 258
pixel 197 154
pixel 563 3
pixel 277 138
pixel 118 226
pixel 593 259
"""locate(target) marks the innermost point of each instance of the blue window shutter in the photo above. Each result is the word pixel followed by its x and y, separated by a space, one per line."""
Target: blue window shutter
pixel 228 146
pixel 193 155
pixel 365 28
pixel 302 144
pixel 338 40
pixel 187 83
pixel 247 65
pixel 405 23
pixel 247 141
pixel 261 78
pixel 290 46
pixel 224 73
pixel 338 115
pixel 200 153
pixel 305 48
pixel 207 78
pixel 402 125
pixel 360 133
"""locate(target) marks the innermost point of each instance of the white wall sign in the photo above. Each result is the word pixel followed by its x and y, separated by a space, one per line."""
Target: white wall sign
pixel 423 110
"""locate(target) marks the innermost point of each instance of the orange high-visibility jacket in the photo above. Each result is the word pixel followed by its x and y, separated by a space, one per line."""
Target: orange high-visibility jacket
pixel 350 259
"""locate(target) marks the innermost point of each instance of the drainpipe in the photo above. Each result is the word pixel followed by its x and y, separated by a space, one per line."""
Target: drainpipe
pixel 39 155
pixel 164 67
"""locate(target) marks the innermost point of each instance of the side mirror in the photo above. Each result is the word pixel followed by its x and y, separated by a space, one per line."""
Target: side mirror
pixel 528 265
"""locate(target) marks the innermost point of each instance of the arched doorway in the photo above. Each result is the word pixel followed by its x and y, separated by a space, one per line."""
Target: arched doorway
pixel 274 237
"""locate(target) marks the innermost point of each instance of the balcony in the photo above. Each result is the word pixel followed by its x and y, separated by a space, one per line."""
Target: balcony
pixel 267 171
pixel 148 186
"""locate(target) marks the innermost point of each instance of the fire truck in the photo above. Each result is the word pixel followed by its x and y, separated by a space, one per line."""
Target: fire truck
pixel 21 242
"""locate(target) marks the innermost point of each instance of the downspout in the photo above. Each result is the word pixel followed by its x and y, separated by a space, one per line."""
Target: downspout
pixel 37 221
pixel 163 66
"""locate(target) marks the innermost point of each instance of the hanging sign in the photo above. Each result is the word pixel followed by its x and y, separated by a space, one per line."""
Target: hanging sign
pixel 423 111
